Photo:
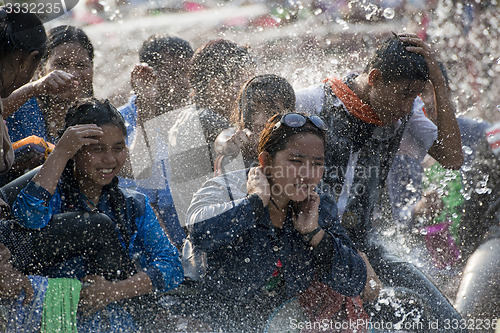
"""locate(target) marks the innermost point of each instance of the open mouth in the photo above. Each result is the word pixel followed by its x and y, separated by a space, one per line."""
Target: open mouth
pixel 105 171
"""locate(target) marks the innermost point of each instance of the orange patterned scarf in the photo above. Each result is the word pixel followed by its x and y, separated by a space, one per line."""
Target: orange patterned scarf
pixel 352 102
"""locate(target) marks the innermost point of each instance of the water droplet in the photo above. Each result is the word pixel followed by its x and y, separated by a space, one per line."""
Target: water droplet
pixel 483 190
pixel 247 260
pixel 388 13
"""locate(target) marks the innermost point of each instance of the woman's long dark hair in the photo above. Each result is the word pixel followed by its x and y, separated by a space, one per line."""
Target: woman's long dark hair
pixel 93 111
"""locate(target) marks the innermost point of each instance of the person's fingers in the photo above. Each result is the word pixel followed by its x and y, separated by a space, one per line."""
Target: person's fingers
pixel 66 75
pixel 142 70
pixel 61 73
pixel 61 81
pixel 408 35
pixel 51 83
pixel 236 140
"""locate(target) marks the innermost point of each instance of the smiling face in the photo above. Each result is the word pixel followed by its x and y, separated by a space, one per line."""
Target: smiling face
pixel 393 100
pixel 295 171
pixel 97 164
pixel 74 59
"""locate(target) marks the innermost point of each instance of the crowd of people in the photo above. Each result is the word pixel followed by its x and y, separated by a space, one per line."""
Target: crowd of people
pixel 217 196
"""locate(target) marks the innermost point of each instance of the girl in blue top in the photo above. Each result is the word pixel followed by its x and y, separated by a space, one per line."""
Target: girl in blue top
pixel 65 74
pixel 80 175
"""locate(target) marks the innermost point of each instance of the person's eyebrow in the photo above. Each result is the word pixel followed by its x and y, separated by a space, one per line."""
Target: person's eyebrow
pixel 306 156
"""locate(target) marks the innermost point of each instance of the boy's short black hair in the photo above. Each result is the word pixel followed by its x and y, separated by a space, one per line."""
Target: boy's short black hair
pixel 154 48
pixel 396 63
pixel 219 58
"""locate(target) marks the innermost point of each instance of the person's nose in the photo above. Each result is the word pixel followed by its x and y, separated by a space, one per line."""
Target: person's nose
pixel 109 158
pixel 306 172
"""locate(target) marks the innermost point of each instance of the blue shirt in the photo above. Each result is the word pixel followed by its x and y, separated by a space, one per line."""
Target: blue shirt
pixel 129 113
pixel 27 120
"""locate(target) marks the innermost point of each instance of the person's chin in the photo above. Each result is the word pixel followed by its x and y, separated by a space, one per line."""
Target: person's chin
pixel 299 196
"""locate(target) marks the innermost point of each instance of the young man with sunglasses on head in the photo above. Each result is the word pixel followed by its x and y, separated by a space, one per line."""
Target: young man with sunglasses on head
pixel 367 114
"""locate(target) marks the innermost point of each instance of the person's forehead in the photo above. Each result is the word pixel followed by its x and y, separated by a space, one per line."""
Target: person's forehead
pixel 305 142
pixel 69 50
pixel 408 85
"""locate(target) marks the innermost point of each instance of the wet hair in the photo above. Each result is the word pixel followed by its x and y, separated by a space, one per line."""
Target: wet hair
pixel 274 140
pixel 93 111
pixel 156 46
pixel 396 63
pixel 65 34
pixel 101 113
pixel 21 32
pixel 270 90
pixel 220 59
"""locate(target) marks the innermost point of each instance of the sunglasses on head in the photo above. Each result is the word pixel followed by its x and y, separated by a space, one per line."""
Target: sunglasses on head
pixel 296 120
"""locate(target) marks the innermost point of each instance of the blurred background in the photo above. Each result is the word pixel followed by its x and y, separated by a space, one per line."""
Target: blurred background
pixel 303 41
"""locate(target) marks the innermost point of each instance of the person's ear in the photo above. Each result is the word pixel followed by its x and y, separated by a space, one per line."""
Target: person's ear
pixel 265 160
pixel 374 76
pixel 31 61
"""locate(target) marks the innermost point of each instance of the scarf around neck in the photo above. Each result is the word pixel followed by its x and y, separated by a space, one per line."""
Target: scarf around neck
pixel 352 102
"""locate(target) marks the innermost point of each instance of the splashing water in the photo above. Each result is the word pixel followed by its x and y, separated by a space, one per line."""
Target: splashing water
pixel 389 13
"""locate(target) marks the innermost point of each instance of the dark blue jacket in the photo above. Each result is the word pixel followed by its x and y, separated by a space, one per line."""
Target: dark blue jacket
pixel 242 246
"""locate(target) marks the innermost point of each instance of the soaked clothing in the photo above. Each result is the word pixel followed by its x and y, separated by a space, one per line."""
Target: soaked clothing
pixel 358 158
pixel 141 235
pixel 481 208
pixel 244 253
pixel 28 120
